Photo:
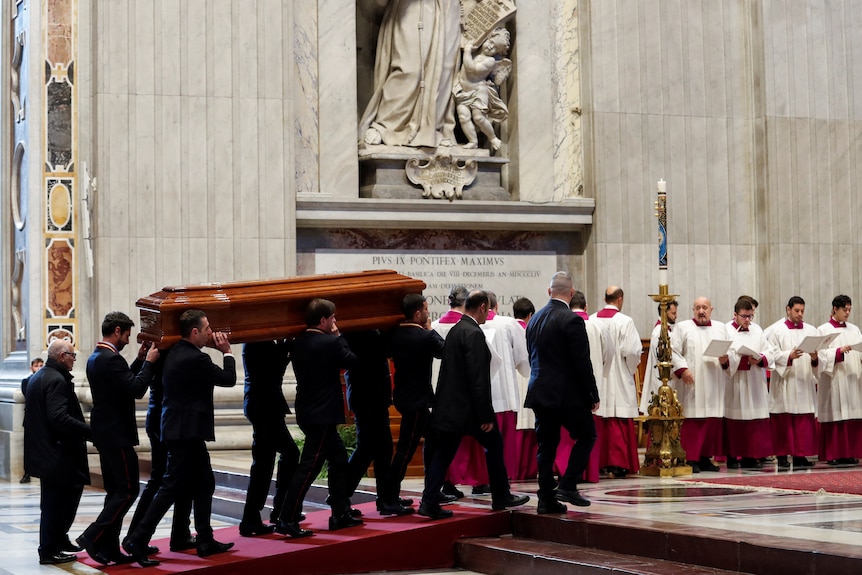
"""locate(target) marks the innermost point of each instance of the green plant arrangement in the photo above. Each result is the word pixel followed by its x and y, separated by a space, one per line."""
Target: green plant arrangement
pixel 348 436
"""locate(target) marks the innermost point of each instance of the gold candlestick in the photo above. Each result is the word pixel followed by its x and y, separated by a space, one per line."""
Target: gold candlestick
pixel 665 456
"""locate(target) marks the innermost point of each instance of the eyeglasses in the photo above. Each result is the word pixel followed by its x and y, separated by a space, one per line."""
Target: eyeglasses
pixel 745 316
pixel 72 353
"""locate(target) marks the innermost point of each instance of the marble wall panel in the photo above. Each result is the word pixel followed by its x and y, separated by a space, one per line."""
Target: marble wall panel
pixel 143 168
pixel 568 135
pixel 247 177
pixel 304 97
pixel 222 201
pixel 193 50
pixel 228 39
pixel 169 46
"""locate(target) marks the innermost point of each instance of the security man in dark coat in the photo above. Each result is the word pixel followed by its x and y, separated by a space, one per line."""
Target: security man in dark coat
pixel 188 422
pixel 115 386
pixel 55 449
pixel 265 407
pixel 562 392
pixel 463 406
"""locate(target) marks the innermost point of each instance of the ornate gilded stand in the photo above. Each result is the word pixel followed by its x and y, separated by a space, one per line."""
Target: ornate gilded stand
pixel 665 456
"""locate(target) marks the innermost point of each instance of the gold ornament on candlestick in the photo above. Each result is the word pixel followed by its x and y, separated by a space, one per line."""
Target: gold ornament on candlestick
pixel 665 456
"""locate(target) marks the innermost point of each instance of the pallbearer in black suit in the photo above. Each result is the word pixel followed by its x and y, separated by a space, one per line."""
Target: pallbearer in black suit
pixel 369 395
pixel 462 406
pixel 319 354
pixel 115 386
pixel 562 392
pixel 188 422
pixel 265 407
pixel 413 345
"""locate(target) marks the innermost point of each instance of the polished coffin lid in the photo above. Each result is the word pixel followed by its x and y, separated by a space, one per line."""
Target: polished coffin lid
pixel 271 309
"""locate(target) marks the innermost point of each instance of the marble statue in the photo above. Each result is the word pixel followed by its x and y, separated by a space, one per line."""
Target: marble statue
pixel 417 57
pixel 477 102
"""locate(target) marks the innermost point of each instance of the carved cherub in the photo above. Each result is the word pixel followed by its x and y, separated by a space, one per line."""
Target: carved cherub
pixel 476 99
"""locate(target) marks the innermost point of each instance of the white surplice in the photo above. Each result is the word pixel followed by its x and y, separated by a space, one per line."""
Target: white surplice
pixel 705 397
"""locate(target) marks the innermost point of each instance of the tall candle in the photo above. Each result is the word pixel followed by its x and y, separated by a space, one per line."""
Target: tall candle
pixel 661 212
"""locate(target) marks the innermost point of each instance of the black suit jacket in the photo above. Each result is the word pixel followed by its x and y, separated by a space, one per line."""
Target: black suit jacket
pixel 264 363
pixel 463 399
pixel 55 432
pixel 561 374
pixel 413 349
pixel 115 386
pixel 318 359
pixel 188 381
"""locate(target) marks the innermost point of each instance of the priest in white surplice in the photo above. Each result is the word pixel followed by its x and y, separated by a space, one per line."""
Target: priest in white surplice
pixel 747 432
pixel 651 381
pixel 839 396
pixel 700 384
pixel 793 388
pixel 617 440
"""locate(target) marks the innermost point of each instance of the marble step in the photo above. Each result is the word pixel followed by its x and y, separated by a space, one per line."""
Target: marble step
pixel 514 555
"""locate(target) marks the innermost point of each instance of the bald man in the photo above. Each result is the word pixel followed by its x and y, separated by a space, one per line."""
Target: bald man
pixel 617 441
pixel 700 385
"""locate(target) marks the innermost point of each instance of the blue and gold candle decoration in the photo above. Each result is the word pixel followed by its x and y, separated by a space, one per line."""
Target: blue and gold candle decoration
pixel 661 213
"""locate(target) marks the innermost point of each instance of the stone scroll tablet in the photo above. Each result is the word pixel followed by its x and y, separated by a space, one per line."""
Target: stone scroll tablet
pixel 485 17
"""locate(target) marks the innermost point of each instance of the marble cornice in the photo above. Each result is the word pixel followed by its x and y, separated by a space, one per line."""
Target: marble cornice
pixel 566 216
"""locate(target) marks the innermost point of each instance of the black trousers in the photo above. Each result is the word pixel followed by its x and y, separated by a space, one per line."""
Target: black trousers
pixel 412 430
pixel 440 450
pixel 188 474
pixel 182 506
pixel 271 437
pixel 59 504
pixel 121 478
pixel 322 444
pixel 581 427
pixel 373 445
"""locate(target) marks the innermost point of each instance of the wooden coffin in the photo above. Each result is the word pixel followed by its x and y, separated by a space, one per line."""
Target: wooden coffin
pixel 270 309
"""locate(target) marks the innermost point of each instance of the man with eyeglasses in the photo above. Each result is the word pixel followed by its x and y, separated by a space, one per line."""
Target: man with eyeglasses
pixel 839 393
pixel 747 429
pixel 55 450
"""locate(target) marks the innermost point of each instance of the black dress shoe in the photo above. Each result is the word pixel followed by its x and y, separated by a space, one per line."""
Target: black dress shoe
pixel 695 468
pixel 706 464
pixel 150 549
pixel 799 461
pixel 405 501
pixel 138 553
pixel 57 558
pixel 751 463
pixel 450 489
pixel 117 557
pixel 344 521
pixel 433 511
pixel 212 547
pixel 75 547
pixel 25 479
pixel 447 498
pixel 510 501
pixel 393 509
pixel 783 463
pixel 354 512
pixel 252 530
pixel 550 506
pixel 573 497
pixel 184 545
pixel 99 556
pixel 484 489
pixel 292 530
pixel 732 463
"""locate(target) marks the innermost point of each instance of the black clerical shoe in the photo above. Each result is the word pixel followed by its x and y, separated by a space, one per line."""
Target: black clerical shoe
pixel 783 463
pixel 292 530
pixel 510 501
pixel 150 550
pixel 250 530
pixel 732 463
pixel 450 489
pixel 695 467
pixel 573 497
pixel 546 507
pixel 344 521
pixel 75 547
pixel 483 489
pixel 25 479
pixel 405 501
pixel 212 547
pixel 138 551
pixel 57 558
pixel 799 461
pixel 386 508
pixel 751 463
pixel 433 511
pixel 706 464
pixel 447 498
pixel 184 544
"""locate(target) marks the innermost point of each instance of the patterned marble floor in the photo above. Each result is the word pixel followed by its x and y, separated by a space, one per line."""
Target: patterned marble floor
pixel 830 519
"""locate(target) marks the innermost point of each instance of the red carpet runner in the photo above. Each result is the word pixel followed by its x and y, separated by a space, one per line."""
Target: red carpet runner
pixel 838 482
pixel 382 544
